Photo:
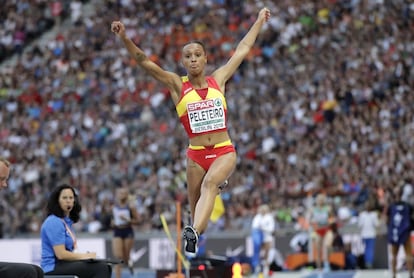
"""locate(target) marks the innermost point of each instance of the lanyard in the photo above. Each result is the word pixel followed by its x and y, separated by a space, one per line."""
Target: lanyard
pixel 72 235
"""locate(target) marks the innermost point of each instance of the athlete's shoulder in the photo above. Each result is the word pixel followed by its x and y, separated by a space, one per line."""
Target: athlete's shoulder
pixel 212 82
pixel 210 78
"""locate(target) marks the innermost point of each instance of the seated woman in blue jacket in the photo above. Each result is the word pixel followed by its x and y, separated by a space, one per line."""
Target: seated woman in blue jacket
pixel 59 256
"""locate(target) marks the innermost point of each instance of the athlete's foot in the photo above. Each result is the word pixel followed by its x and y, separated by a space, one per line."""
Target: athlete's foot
pixel 223 186
pixel 190 242
pixel 131 267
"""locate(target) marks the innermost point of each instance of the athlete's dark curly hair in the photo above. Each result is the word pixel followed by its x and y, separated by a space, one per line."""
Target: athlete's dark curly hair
pixel 196 42
pixel 53 206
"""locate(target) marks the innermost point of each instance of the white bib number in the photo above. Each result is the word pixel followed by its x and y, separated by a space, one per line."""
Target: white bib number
pixel 206 115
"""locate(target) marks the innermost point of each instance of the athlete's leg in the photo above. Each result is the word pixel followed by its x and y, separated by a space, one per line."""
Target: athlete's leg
pixel 117 244
pixel 128 244
pixel 409 256
pixel 327 242
pixel 394 253
pixel 318 251
pixel 195 175
pixel 219 171
pixel 202 189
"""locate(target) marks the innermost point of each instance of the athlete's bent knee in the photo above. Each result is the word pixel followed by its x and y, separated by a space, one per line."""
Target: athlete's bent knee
pixel 210 184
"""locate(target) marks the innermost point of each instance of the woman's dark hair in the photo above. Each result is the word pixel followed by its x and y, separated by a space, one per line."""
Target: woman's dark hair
pixel 196 42
pixel 53 206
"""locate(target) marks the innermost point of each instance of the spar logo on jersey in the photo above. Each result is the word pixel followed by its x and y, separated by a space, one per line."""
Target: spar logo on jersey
pixel 200 105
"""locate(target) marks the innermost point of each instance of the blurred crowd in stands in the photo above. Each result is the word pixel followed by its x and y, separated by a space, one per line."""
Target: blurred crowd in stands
pixel 323 103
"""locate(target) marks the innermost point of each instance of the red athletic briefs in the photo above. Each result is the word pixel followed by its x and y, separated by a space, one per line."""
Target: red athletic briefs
pixel 206 155
pixel 321 231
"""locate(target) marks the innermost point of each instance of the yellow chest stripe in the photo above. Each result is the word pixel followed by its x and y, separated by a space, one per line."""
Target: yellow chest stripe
pixel 192 96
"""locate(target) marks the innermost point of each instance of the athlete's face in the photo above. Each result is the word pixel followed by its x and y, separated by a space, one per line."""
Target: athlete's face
pixel 194 58
pixel 66 200
pixel 320 200
pixel 122 194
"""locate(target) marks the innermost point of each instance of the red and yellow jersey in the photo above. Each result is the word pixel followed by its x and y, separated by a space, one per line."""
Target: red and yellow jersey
pixel 202 111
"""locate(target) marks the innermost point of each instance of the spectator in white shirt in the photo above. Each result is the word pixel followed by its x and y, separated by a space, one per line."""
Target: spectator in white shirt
pixel 368 223
pixel 265 222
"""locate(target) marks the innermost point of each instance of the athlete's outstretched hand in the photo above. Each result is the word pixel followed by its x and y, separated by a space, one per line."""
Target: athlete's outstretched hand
pixel 118 28
pixel 264 14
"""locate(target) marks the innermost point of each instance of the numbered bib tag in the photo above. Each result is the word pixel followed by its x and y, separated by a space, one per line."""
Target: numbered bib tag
pixel 206 115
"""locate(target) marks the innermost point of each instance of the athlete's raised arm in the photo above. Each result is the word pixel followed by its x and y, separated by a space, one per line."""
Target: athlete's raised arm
pixel 171 80
pixel 224 73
